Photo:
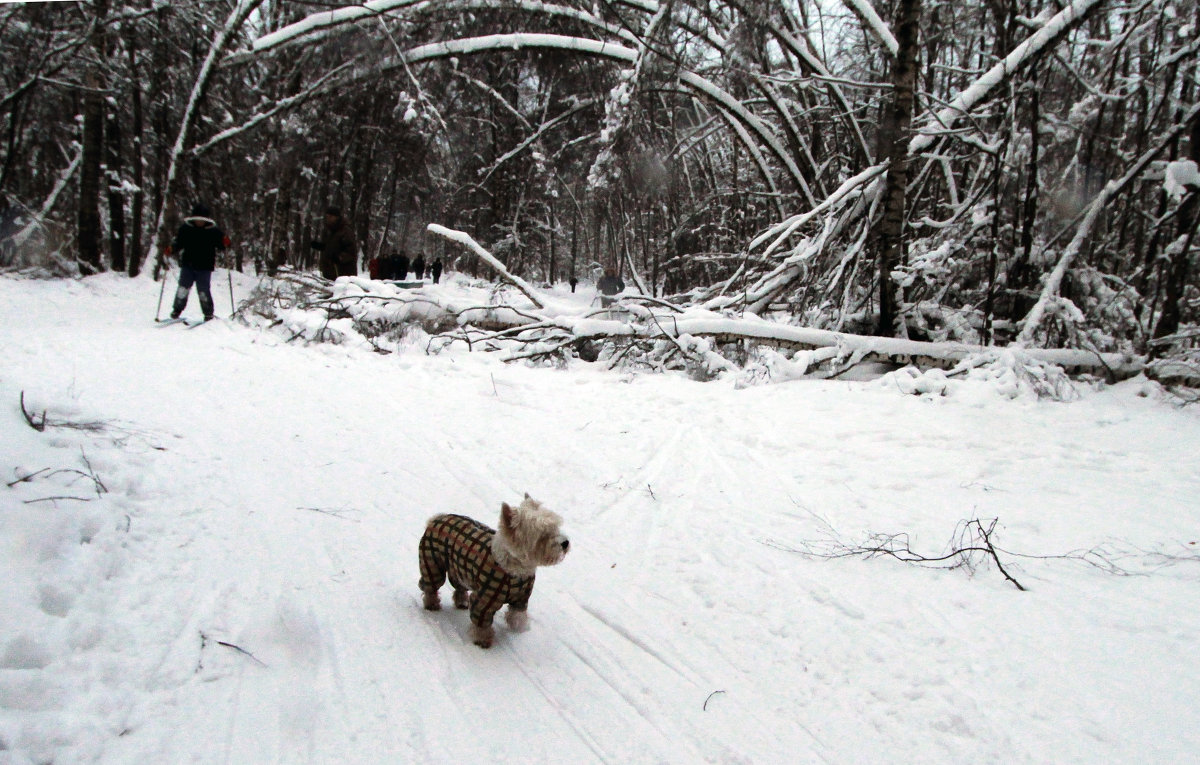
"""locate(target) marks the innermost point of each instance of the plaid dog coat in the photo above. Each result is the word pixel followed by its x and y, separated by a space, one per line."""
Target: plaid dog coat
pixel 460 547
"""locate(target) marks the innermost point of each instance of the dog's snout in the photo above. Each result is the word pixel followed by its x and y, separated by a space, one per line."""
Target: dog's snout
pixel 566 545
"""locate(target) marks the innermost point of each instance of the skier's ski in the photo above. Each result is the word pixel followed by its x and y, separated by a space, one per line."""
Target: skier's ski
pixel 193 323
pixel 168 322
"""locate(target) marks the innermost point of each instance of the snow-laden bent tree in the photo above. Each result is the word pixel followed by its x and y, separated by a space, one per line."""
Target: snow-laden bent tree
pixel 749 158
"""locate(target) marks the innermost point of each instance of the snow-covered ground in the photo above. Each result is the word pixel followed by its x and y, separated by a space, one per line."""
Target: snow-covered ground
pixel 217 560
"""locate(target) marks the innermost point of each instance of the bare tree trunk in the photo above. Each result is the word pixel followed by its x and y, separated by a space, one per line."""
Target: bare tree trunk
pixel 139 162
pixel 1022 276
pixel 1181 259
pixel 160 99
pixel 1189 217
pixel 89 230
pixel 1179 273
pixel 391 211
pixel 893 146
pixel 550 226
pixel 115 160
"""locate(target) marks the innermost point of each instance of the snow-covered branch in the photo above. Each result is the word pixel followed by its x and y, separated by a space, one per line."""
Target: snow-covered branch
pixel 466 240
pixel 224 36
pixel 36 221
pixel 1053 282
pixel 984 86
pixel 874 24
pixel 276 108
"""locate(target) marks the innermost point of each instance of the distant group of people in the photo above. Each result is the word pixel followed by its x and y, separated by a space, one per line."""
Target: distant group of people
pixel 339 255
pixel 396 267
pixel 198 240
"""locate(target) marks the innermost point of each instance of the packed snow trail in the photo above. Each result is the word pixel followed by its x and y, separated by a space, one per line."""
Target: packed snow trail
pixel 244 590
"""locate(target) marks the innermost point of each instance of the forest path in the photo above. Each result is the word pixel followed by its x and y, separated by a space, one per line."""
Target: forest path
pixel 251 590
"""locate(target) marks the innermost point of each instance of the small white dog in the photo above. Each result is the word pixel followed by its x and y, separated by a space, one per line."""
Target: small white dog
pixel 489 568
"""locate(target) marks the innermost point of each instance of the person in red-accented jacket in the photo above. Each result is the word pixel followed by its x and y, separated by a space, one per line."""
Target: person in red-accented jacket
pixel 196 244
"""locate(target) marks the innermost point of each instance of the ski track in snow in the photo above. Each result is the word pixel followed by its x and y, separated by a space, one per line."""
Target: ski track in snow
pixel 245 590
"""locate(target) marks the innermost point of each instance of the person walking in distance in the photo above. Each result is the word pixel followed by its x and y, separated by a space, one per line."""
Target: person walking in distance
pixel 339 251
pixel 610 285
pixel 196 244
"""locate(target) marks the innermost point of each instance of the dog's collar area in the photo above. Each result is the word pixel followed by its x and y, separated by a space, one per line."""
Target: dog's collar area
pixel 509 562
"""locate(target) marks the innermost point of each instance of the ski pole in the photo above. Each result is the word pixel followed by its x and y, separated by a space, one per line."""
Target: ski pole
pixel 232 305
pixel 161 290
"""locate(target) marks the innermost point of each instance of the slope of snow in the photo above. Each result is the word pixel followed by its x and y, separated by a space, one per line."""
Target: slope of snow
pixel 224 567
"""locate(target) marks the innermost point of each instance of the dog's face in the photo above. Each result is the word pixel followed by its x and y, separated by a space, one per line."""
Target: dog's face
pixel 533 533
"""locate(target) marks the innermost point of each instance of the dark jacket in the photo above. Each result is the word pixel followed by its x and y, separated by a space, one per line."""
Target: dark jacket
pixel 610 284
pixel 339 251
pixel 196 244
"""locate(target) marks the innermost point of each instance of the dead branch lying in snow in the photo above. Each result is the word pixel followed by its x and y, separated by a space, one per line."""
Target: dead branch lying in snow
pixel 118 434
pixel 40 422
pixel 973 546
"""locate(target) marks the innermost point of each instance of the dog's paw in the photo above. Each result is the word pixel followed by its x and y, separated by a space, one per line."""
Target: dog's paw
pixel 432 602
pixel 483 636
pixel 462 599
pixel 518 621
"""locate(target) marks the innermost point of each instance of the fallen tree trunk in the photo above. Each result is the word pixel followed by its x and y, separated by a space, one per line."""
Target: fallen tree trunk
pixel 642 322
pixel 534 324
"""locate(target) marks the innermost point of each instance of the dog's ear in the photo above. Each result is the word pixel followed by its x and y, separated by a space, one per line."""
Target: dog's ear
pixel 527 496
pixel 508 519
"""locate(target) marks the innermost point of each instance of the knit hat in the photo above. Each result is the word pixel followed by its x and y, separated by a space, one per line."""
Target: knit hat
pixel 333 210
pixel 201 210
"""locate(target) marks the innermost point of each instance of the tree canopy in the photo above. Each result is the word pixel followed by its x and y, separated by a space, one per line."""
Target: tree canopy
pixel 984 172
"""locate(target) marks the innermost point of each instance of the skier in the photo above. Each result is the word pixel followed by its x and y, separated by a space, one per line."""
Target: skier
pixel 436 270
pixel 196 244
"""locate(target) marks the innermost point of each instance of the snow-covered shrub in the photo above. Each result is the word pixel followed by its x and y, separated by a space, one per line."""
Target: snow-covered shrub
pixel 1177 365
pixel 913 382
pixel 35 250
pixel 768 365
pixel 1005 372
pixel 1063 325
pixel 938 323
pixel 1105 302
pixel 694 356
pixel 348 311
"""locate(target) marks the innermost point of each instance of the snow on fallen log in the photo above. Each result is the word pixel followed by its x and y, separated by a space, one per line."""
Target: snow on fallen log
pixel 528 323
pixel 698 322
pixel 896 350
